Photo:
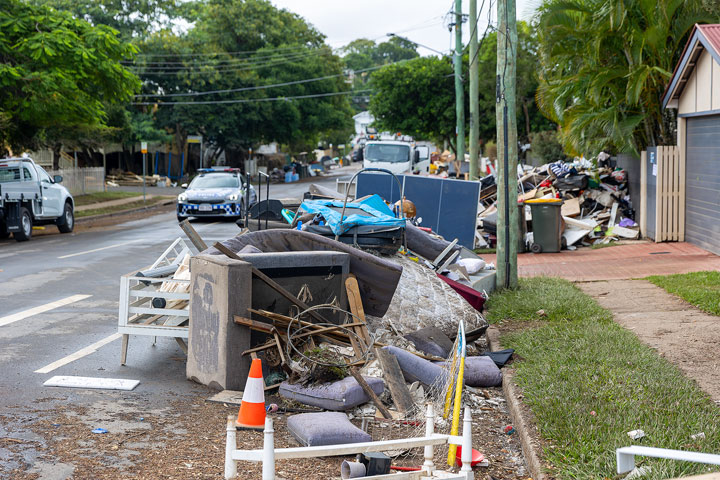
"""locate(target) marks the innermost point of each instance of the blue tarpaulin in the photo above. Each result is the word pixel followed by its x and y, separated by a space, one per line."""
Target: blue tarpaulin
pixel 378 213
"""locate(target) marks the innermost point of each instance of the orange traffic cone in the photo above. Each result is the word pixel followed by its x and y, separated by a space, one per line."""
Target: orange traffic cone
pixel 252 408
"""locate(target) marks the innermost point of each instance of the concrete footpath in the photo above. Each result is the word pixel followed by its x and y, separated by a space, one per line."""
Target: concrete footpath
pixel 637 260
pixel 678 331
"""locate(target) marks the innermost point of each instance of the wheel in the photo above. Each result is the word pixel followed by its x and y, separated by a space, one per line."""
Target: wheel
pixel 66 221
pixel 180 219
pixel 25 226
pixel 536 248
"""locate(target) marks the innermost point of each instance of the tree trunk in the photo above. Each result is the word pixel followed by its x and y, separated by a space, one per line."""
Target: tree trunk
pixel 527 118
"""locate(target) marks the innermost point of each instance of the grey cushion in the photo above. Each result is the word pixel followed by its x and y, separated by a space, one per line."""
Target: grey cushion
pixel 482 372
pixel 415 368
pixel 325 428
pixel 341 395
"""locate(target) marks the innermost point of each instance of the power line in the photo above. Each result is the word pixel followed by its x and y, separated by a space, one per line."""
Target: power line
pixel 229 61
pixel 252 100
pixel 248 66
pixel 260 87
pixel 204 54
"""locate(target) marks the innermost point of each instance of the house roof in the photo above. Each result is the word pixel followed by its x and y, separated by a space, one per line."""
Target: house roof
pixel 702 38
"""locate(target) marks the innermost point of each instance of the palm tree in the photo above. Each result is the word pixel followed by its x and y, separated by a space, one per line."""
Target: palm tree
pixel 605 65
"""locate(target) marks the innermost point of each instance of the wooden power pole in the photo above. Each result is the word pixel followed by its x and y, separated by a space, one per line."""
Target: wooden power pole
pixel 508 219
pixel 474 91
pixel 459 94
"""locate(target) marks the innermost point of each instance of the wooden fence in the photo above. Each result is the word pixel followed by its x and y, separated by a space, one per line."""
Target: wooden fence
pixel 667 221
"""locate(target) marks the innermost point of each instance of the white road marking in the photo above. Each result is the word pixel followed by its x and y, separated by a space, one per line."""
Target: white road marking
pixel 98 249
pixel 79 354
pixel 41 309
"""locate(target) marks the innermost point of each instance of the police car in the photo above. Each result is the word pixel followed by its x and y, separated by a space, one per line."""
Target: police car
pixel 215 193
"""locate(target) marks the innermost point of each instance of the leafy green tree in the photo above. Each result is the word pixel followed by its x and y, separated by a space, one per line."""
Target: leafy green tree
pixel 529 117
pixel 243 45
pixel 57 74
pixel 362 54
pixel 131 18
pixel 605 65
pixel 416 98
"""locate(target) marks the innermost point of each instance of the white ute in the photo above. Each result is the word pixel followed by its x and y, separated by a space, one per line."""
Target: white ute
pixel 28 196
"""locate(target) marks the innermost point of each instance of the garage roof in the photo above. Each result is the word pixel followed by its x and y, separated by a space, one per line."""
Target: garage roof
pixel 703 37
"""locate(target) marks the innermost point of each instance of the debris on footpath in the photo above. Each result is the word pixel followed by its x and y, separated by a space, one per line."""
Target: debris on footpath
pixel 593 195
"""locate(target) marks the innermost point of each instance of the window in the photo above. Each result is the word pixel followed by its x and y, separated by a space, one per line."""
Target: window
pixel 10 174
pixel 27 175
pixel 215 181
pixel 43 175
pixel 387 153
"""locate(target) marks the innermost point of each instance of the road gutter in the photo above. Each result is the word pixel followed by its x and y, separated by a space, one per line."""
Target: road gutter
pixel 520 423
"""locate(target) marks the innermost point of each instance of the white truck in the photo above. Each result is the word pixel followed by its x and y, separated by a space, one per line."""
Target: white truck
pixel 28 196
pixel 396 156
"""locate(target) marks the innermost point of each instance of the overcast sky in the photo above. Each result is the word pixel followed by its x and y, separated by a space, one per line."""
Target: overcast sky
pixel 422 21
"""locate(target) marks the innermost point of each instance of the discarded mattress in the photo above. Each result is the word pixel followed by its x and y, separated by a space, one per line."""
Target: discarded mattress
pixel 377 278
pixel 422 300
pixel 325 428
pixel 481 372
pixel 417 369
pixel 370 211
pixel 341 395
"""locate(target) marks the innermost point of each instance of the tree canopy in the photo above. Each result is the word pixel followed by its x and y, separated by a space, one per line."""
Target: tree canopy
pixel 605 65
pixel 417 97
pixel 57 73
pixel 257 67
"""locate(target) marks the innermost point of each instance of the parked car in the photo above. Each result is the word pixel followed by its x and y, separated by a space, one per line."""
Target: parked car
pixel 215 193
pixel 28 196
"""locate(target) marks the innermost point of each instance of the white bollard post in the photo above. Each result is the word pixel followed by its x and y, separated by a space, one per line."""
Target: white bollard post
pixel 268 468
pixel 230 446
pixel 429 465
pixel 466 455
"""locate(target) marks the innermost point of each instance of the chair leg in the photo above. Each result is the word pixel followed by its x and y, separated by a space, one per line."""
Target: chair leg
pixel 123 349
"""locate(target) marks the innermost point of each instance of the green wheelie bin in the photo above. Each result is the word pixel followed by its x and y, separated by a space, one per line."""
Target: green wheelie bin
pixel 547 225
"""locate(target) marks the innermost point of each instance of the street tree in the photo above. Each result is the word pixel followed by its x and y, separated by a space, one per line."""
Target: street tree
pixel 244 46
pixel 605 65
pixel 58 74
pixel 416 98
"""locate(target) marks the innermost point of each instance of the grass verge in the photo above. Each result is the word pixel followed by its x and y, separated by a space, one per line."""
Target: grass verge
pixel 88 198
pixel 589 381
pixel 118 208
pixel 702 289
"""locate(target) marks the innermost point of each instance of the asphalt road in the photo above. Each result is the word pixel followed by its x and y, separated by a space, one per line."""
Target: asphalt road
pixel 59 312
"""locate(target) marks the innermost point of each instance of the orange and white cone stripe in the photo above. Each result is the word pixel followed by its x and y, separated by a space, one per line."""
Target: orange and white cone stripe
pixel 252 408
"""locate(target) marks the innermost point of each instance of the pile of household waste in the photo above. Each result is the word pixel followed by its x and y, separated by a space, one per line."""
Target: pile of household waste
pixel 592 196
pixel 404 330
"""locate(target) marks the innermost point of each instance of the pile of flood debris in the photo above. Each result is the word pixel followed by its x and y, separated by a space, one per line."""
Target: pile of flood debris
pixel 596 205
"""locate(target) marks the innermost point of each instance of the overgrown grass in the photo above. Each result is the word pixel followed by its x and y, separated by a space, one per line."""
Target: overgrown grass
pixel 588 382
pixel 117 208
pixel 702 289
pixel 87 199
